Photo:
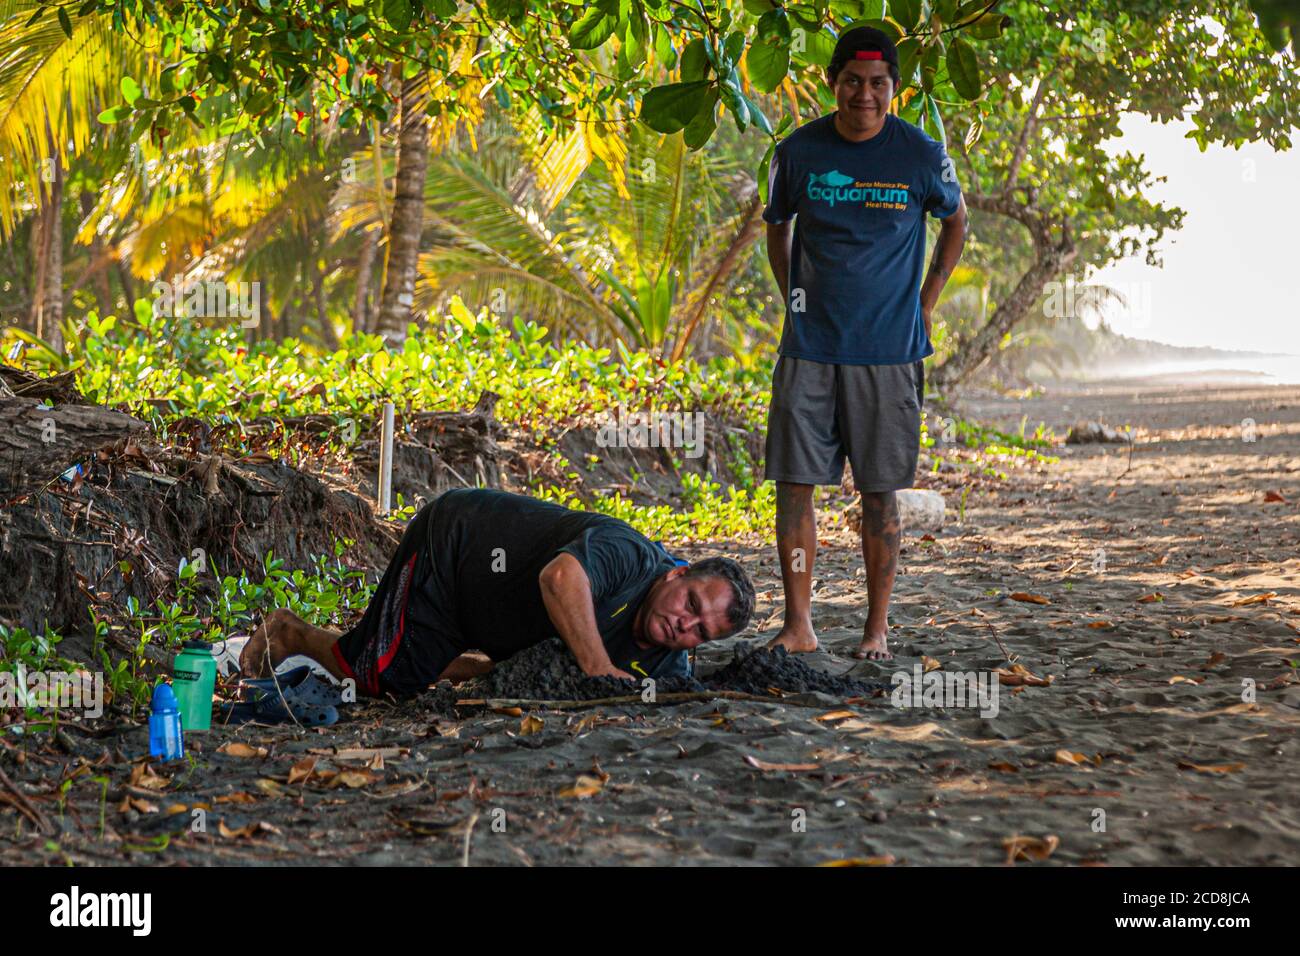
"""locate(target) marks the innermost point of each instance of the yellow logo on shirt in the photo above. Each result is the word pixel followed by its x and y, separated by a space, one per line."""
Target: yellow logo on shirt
pixel 618 612
pixel 636 666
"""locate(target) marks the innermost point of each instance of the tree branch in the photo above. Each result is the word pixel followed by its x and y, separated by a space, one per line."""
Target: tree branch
pixel 1026 131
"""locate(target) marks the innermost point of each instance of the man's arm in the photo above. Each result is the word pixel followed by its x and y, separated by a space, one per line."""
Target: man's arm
pixel 952 237
pixel 566 592
pixel 780 238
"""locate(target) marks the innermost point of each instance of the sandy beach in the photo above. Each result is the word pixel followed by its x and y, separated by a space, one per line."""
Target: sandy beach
pixel 1149 593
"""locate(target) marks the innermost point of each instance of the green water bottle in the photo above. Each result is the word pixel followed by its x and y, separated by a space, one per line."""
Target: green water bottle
pixel 194 678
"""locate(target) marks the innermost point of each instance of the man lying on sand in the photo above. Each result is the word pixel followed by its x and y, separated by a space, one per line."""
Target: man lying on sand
pixel 494 572
pixel 846 212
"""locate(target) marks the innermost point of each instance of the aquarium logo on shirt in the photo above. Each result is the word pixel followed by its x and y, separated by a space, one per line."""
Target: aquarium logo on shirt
pixel 834 186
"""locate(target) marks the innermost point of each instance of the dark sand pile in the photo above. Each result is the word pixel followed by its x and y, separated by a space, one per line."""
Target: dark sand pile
pixel 547 671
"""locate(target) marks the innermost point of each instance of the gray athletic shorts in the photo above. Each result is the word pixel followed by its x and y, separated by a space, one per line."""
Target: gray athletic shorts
pixel 821 414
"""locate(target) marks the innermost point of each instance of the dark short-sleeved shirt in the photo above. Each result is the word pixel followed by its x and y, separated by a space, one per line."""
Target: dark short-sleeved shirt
pixel 488 549
pixel 859 239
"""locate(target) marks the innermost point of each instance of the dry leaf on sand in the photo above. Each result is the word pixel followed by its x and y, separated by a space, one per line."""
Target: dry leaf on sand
pixel 138 804
pixel 886 860
pixel 1033 849
pixel 241 796
pixel 245 832
pixel 1020 676
pixel 237 748
pixel 585 786
pixel 143 776
pixel 530 725
pixel 1211 768
pixel 1029 598
pixel 302 770
pixel 1075 759
pixel 765 766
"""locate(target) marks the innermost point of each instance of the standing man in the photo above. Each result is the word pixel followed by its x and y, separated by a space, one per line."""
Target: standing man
pixel 846 211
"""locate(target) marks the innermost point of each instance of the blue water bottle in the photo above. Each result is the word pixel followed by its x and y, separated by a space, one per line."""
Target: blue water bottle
pixel 165 725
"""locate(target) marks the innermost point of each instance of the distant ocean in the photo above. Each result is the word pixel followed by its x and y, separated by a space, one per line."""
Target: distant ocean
pixel 1263 369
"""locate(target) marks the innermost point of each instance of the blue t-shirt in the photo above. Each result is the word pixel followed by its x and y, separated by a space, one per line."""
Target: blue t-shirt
pixel 859 239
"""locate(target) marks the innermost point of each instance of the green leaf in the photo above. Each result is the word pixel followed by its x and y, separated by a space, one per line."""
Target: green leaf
pixel 663 47
pixel 989 26
pixel 964 69
pixel 736 103
pixel 130 90
pixel 592 29
pixel 398 14
pixel 734 46
pixel 444 9
pixel 768 61
pixel 821 47
pixel 936 120
pixel 905 12
pixel 667 109
pixel 888 27
pixel 908 54
pixel 764 170
pixel 929 67
pixel 115 114
pixel 774 23
pixel 700 129
pixel 694 61
pixel 634 45
pixel 756 115
pixel 65 23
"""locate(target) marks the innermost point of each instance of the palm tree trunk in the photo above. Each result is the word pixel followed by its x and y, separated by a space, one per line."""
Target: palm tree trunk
pixel 99 260
pixel 124 277
pixel 719 277
pixel 362 314
pixel 47 301
pixel 328 336
pixel 408 211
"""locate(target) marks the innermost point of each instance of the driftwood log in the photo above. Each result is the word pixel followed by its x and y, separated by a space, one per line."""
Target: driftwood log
pixel 60 389
pixel 38 442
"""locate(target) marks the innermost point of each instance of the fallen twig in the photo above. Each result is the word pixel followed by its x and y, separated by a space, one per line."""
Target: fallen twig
pixel 673 698
pixel 469 832
pixel 25 806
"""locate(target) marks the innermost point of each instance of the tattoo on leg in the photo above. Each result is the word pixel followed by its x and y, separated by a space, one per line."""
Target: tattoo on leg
pixel 880 521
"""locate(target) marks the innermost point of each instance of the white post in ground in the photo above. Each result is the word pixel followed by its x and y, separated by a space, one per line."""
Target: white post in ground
pixel 386 461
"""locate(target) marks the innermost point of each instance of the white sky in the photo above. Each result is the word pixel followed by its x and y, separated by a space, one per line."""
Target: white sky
pixel 1231 276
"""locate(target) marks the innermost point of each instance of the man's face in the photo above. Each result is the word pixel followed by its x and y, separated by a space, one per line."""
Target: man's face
pixel 863 91
pixel 683 612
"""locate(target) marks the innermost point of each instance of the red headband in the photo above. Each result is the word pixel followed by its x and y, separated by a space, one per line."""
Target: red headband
pixel 868 55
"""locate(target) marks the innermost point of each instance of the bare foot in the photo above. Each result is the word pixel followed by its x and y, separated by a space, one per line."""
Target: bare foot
pixel 269 645
pixel 795 639
pixel 874 647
